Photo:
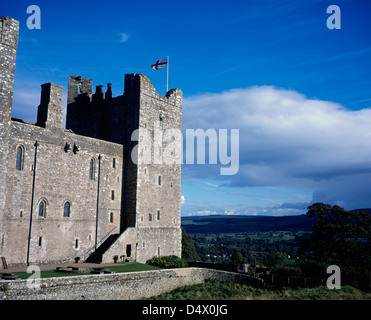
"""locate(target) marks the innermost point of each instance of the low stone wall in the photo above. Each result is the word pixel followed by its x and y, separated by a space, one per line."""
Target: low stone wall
pixel 119 286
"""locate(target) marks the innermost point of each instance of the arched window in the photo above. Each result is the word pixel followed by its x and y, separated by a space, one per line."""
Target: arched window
pixel 67 209
pixel 20 157
pixel 42 208
pixel 92 169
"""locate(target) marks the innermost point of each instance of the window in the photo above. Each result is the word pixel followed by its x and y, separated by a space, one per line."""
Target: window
pixel 21 214
pixel 149 217
pixel 20 157
pixel 76 243
pixel 111 217
pixel 42 208
pixel 160 120
pixel 92 169
pixel 159 180
pixel 158 251
pixel 114 163
pixel 158 214
pixel 40 241
pixel 112 195
pixel 67 209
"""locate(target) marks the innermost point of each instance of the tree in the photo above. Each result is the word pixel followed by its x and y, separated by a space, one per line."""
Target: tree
pixel 189 252
pixel 274 260
pixel 339 237
pixel 237 258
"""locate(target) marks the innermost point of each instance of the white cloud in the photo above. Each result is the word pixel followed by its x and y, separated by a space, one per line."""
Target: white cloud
pixel 206 212
pixel 182 199
pixel 123 37
pixel 287 139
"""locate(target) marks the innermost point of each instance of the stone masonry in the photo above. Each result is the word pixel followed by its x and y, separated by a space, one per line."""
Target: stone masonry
pixel 119 286
pixel 75 191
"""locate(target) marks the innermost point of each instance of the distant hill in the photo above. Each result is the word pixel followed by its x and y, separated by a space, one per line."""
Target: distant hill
pixel 368 210
pixel 240 223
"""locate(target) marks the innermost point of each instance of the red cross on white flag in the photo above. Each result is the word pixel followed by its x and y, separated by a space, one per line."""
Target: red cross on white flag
pixel 159 64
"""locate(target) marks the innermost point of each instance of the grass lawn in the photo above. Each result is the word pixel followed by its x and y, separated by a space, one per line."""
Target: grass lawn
pixel 119 268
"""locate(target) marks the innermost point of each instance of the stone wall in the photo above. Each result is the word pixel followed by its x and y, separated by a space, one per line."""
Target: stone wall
pixel 121 286
pixel 61 175
pixel 158 186
pixel 8 50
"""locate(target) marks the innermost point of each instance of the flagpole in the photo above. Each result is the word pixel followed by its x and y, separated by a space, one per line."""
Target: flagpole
pixel 167 77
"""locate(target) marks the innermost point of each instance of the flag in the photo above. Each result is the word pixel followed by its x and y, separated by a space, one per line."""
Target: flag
pixel 160 64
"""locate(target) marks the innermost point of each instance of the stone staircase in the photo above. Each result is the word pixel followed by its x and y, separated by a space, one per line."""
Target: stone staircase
pixel 97 255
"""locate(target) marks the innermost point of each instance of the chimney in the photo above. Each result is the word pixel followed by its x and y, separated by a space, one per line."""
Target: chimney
pixel 50 110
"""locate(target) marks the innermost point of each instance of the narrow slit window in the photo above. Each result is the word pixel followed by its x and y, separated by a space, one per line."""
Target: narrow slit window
pixel 67 210
pixel 112 195
pixel 76 243
pixel 42 209
pixel 158 214
pixel 149 217
pixel 40 241
pixel 91 169
pixel 20 156
pixel 111 217
pixel 159 180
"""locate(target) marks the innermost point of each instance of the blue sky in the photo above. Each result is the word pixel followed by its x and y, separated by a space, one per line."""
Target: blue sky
pixel 299 93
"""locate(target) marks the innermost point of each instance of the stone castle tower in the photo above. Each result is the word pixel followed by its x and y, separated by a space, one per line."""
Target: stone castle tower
pixel 78 191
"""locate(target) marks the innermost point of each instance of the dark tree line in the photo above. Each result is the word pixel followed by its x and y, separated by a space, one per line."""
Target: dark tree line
pixel 339 237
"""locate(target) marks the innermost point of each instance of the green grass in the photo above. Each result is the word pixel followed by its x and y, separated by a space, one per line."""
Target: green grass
pixel 215 290
pixel 120 268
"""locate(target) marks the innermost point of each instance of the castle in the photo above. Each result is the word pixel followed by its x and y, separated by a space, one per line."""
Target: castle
pixel 76 191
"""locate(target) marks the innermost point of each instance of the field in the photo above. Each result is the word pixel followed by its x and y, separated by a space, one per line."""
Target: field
pixel 253 246
pixel 217 237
